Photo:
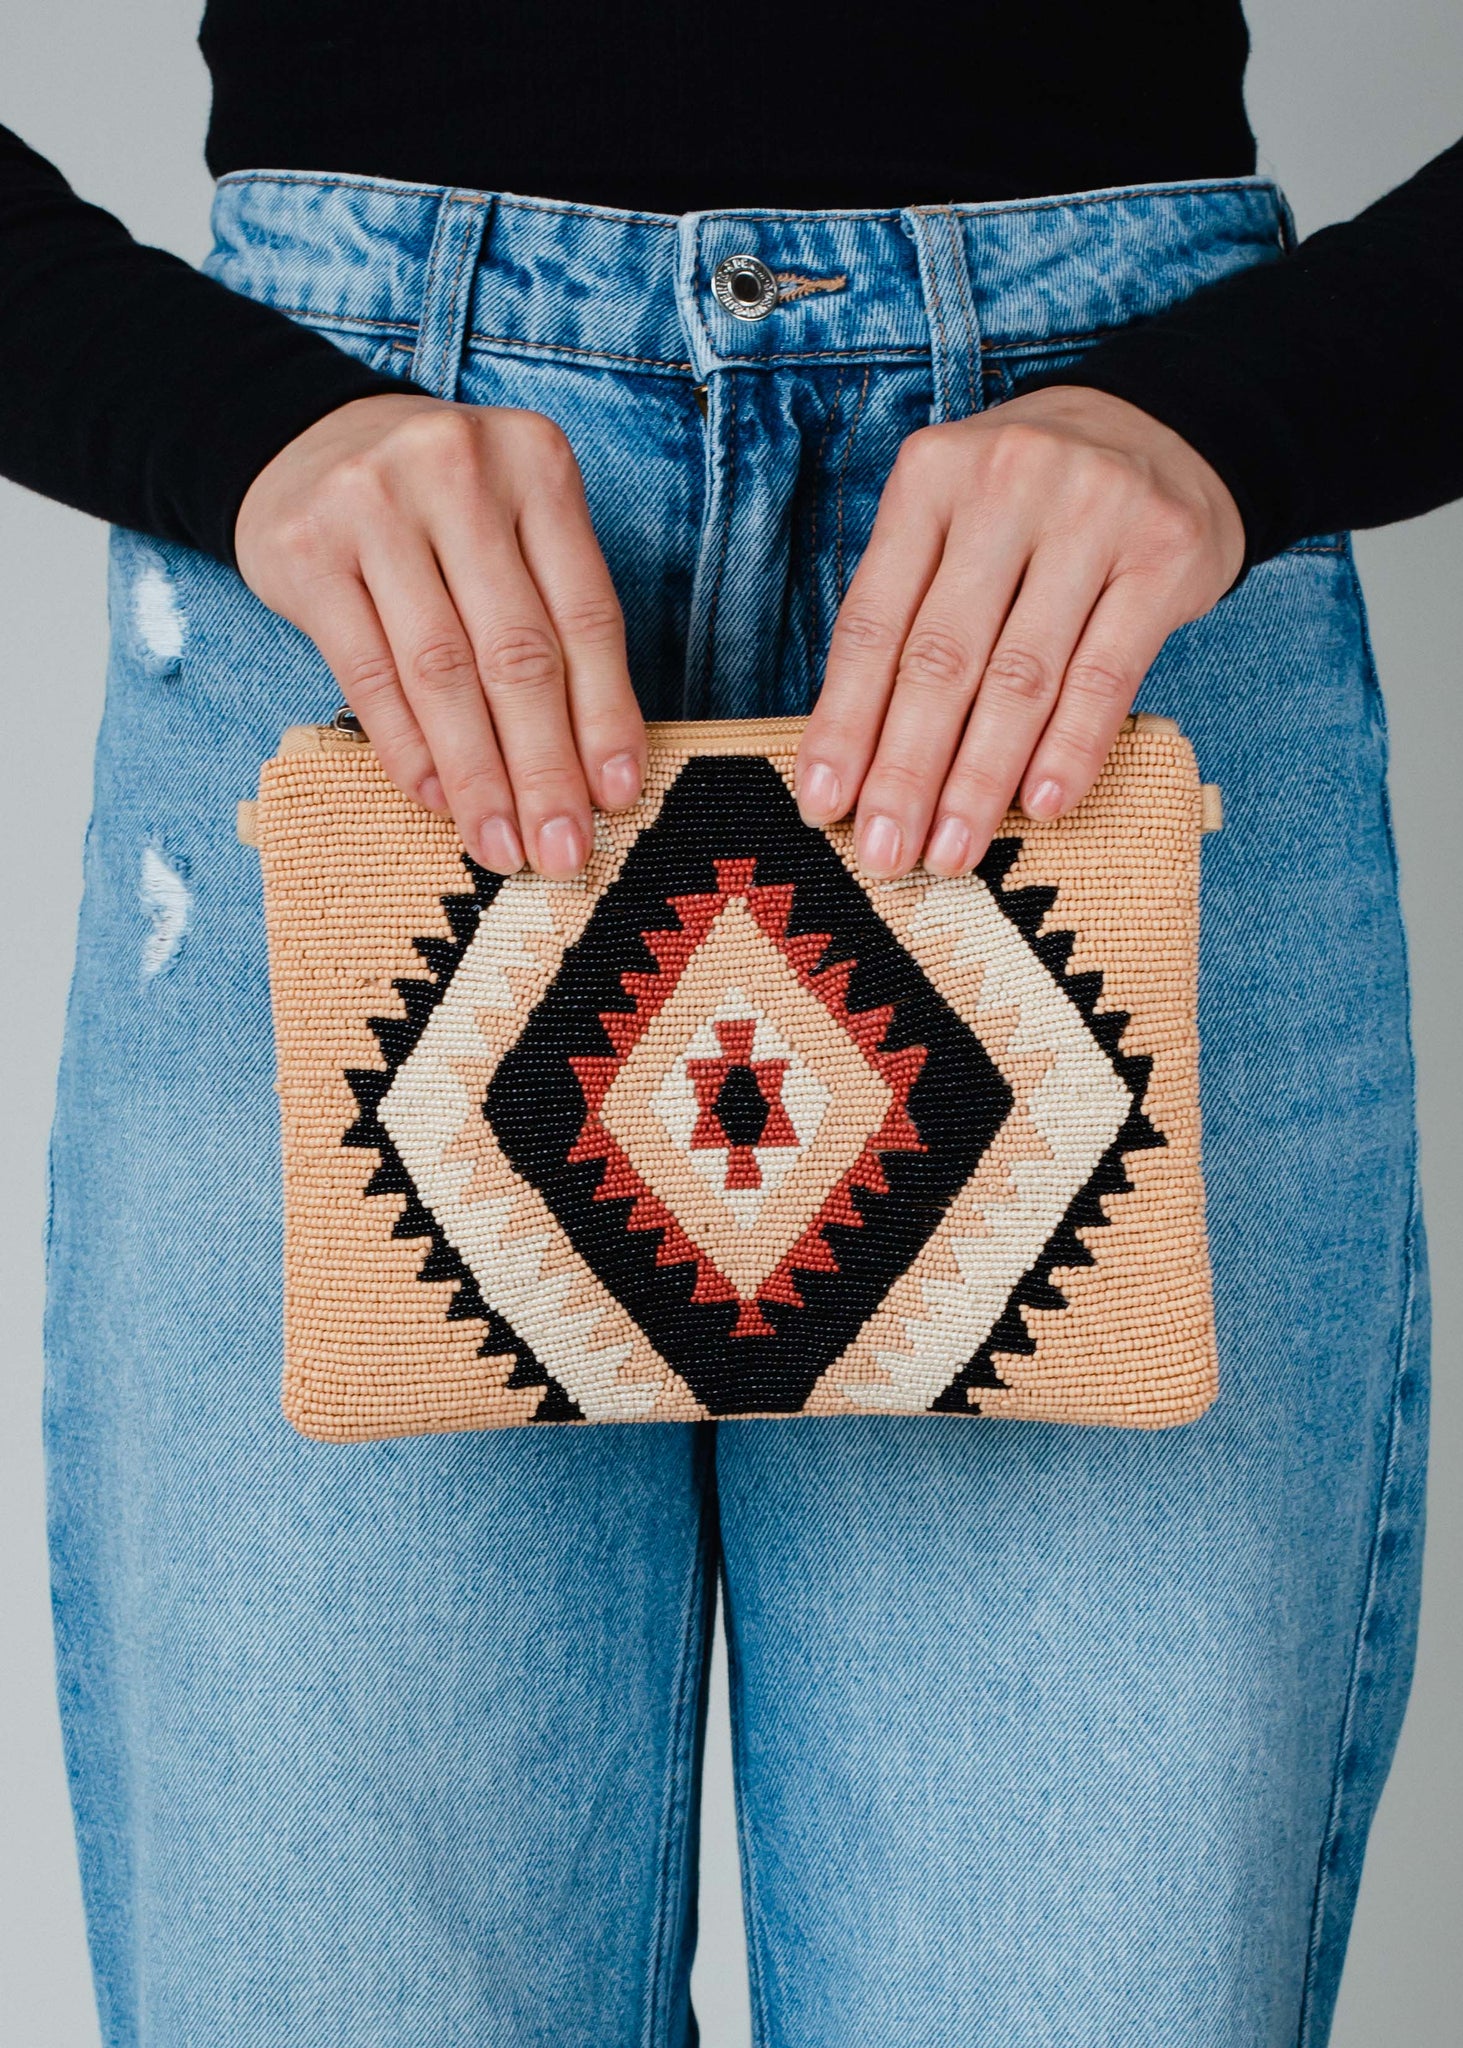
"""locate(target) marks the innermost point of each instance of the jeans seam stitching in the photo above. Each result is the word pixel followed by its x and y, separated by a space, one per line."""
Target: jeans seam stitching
pixel 312 313
pixel 676 1803
pixel 345 182
pixel 853 427
pixel 694 309
pixel 730 470
pixel 751 1909
pixel 1120 195
pixel 815 582
pixel 873 351
pixel 1341 1774
pixel 342 179
pixel 1036 344
pixel 572 348
pixel 629 215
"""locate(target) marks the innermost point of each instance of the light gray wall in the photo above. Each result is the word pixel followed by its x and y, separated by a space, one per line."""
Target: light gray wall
pixel 1347 96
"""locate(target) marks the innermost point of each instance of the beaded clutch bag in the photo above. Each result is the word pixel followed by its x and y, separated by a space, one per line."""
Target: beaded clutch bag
pixel 724 1128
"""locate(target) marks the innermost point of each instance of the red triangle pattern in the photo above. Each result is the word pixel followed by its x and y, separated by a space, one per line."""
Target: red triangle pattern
pixel 771 906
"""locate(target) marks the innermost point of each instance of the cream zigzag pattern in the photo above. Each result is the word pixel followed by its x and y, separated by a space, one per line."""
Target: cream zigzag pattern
pixel 501 1227
pixel 1070 1107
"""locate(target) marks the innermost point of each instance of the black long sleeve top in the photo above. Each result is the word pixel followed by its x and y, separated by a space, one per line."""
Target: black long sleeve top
pixel 1321 388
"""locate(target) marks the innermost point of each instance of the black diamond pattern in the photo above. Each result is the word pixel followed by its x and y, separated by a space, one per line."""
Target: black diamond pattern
pixel 737 808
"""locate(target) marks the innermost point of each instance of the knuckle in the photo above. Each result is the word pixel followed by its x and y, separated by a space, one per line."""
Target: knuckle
pixel 859 631
pixel 524 657
pixel 368 677
pixel 921 448
pixel 547 446
pixel 1098 468
pixel 1020 673
pixel 1093 487
pixel 1177 529
pixel 306 539
pixel 546 784
pixel 595 620
pixel 841 738
pixel 441 434
pixel 1096 679
pixel 935 657
pixel 478 785
pixel 441 666
pixel 976 791
pixel 900 784
pixel 928 454
pixel 542 432
pixel 1013 445
pixel 407 764
pixel 357 485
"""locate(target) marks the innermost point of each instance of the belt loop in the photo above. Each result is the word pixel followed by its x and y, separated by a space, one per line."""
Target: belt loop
pixel 944 274
pixel 457 238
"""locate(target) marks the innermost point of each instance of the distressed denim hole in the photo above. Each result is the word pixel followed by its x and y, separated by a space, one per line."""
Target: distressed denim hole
pixel 167 902
pixel 156 614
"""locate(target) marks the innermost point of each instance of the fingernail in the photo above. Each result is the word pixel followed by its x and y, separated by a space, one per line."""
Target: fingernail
pixel 560 848
pixel 431 794
pixel 619 779
pixel 499 847
pixel 1044 801
pixel 820 793
pixel 880 845
pixel 949 849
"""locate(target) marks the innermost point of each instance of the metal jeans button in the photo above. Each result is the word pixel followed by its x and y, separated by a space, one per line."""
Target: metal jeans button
pixel 745 286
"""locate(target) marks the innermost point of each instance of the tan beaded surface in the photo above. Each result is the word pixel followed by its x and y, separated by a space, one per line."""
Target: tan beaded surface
pixel 724 1128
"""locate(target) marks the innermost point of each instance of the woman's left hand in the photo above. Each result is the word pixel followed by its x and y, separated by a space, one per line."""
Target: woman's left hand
pixel 1024 569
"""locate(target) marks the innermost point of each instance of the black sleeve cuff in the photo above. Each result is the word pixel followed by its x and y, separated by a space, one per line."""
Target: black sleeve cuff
pixel 201 476
pixel 1190 386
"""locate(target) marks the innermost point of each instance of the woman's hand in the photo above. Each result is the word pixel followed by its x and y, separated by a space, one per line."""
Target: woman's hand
pixel 442 559
pixel 1025 568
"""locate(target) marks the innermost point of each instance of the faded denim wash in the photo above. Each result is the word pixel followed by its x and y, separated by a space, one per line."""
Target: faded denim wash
pixel 1045 1737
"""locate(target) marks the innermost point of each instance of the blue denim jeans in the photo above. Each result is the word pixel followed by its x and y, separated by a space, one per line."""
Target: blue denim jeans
pixel 1050 1736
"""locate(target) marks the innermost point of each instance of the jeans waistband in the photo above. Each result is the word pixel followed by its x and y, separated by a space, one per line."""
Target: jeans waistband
pixel 499 270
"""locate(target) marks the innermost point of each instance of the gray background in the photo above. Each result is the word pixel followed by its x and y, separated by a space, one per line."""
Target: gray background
pixel 1347 97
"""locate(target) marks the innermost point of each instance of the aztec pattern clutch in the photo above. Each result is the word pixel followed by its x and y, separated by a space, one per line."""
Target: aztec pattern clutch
pixel 723 1128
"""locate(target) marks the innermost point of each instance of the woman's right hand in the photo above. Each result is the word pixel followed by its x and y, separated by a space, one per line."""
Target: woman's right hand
pixel 442 559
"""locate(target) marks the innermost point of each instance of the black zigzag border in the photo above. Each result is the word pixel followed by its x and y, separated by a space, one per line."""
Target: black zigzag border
pixel 397 1038
pixel 1027 909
